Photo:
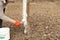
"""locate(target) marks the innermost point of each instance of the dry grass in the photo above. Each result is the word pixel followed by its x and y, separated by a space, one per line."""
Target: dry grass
pixel 43 18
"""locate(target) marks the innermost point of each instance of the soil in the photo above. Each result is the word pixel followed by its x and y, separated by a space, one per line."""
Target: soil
pixel 43 19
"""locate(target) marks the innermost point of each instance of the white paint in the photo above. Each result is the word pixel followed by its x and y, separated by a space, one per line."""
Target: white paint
pixel 24 20
pixel 4 33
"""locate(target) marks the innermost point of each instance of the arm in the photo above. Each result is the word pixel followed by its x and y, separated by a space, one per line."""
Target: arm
pixel 7 19
pixel 10 1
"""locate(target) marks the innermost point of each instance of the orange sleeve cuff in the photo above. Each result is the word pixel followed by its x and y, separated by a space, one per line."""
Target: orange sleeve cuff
pixel 17 23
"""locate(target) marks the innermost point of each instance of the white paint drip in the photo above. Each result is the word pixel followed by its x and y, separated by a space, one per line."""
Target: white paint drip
pixel 24 20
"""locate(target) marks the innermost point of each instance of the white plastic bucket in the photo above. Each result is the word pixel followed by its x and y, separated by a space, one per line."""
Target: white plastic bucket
pixel 4 33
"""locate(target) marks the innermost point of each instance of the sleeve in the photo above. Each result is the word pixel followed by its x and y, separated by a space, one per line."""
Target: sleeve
pixel 4 17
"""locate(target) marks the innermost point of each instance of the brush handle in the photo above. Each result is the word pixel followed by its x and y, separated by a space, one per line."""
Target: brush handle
pixel 17 23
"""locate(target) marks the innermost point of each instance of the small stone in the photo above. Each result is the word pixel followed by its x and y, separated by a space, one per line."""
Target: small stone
pixel 44 35
pixel 46 27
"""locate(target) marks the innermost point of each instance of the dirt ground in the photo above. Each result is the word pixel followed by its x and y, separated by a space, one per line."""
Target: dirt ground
pixel 43 19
